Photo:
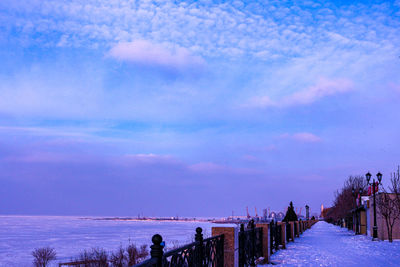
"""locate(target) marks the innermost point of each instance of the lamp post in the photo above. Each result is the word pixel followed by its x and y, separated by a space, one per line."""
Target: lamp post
pixel 374 184
pixel 307 212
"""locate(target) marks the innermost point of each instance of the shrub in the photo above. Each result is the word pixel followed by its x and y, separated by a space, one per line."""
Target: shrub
pixel 136 255
pixel 118 259
pixel 42 256
pixel 96 257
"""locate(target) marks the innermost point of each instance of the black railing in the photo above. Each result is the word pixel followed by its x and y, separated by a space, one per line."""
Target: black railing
pixel 296 230
pixel 250 245
pixel 275 231
pixel 203 252
pixel 288 232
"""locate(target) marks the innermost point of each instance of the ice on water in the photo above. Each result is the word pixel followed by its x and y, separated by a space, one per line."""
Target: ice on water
pixel 20 235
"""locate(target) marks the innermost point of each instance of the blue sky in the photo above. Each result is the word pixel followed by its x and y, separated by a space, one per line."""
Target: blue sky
pixel 193 108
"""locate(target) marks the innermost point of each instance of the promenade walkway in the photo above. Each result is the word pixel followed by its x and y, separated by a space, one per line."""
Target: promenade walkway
pixel 328 245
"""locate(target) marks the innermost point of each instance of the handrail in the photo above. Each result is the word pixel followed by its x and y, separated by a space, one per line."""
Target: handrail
pixel 202 252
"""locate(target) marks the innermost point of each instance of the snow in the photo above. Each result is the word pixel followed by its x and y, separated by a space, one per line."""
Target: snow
pixel 328 245
pixel 20 235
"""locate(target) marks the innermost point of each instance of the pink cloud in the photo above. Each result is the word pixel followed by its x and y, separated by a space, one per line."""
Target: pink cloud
pixel 302 137
pixel 150 54
pixel 322 89
pixel 149 159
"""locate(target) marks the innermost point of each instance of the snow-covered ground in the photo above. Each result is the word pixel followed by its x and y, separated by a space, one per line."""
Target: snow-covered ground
pixel 328 245
pixel 20 235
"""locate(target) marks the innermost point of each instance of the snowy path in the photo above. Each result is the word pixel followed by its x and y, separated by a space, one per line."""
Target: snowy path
pixel 328 245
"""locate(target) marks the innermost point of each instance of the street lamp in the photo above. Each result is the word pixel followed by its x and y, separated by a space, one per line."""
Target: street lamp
pixel 374 184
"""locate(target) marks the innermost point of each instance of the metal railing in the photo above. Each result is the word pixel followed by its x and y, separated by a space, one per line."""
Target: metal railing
pixel 250 245
pixel 203 252
pixel 275 231
pixel 288 232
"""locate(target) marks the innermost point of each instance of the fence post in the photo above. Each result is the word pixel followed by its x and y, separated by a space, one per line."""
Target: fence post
pixel 156 250
pixel 231 244
pixel 265 241
pixel 199 259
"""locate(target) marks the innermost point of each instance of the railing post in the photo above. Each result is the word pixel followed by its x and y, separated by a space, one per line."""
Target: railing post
pixel 156 250
pixel 231 244
pixel 199 259
pixel 265 241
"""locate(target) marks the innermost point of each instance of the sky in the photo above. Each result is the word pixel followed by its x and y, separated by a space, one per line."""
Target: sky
pixel 193 108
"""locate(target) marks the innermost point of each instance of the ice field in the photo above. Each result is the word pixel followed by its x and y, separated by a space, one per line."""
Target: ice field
pixel 19 235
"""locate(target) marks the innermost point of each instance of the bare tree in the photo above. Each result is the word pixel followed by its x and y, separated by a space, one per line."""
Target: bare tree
pixel 344 200
pixel 42 256
pixel 395 186
pixel 389 211
pixel 389 203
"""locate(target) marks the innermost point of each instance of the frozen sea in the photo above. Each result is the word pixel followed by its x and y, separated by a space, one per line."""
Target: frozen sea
pixel 20 235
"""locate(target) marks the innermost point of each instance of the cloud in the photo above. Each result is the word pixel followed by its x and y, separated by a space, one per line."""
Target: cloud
pixel 263 30
pixel 208 167
pixel 323 88
pixel 151 159
pixel 149 54
pixel 303 137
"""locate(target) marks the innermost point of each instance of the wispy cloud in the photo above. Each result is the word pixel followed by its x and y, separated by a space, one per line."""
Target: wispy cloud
pixel 323 88
pixel 302 137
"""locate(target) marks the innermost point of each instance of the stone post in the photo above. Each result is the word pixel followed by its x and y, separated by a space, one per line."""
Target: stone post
pixel 231 244
pixel 156 250
pixel 265 241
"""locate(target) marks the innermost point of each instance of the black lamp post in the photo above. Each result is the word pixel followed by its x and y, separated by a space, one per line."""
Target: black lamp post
pixel 374 184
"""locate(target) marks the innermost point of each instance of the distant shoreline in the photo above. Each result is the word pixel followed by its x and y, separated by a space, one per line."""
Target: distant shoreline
pixel 162 219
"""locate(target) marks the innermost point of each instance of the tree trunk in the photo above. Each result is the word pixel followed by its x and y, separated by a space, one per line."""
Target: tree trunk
pixel 389 230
